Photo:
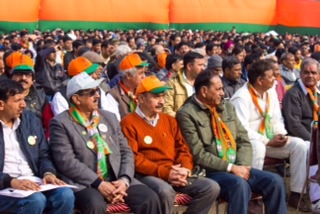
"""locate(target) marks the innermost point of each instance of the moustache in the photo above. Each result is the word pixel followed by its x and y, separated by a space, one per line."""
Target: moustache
pixel 160 106
pixel 23 81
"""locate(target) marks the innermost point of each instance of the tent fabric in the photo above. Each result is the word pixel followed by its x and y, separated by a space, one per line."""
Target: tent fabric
pixel 247 15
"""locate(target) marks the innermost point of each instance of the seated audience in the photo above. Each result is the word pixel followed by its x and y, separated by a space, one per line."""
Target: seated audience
pixel 162 158
pixel 91 152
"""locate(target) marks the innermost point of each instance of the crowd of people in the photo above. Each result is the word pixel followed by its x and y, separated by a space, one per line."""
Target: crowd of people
pixel 127 117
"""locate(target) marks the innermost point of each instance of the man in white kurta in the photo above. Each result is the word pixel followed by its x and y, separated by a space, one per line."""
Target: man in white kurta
pixel 275 144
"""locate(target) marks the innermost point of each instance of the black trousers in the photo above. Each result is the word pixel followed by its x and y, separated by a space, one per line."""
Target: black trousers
pixel 141 200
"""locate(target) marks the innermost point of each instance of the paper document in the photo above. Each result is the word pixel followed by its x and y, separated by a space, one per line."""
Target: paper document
pixel 16 193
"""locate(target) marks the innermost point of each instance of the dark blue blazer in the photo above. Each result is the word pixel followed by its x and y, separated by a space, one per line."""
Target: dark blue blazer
pixel 37 155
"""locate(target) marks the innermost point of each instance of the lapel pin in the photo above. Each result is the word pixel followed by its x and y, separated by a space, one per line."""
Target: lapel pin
pixel 90 144
pixel 32 140
pixel 147 140
pixel 102 127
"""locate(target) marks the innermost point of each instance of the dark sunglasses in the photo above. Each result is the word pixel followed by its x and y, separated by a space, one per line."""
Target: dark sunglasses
pixel 88 92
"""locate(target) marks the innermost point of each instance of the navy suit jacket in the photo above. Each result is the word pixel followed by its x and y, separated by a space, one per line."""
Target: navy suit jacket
pixel 38 155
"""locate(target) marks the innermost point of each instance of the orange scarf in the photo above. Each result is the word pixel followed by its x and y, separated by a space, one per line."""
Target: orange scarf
pixel 314 98
pixel 132 97
pixel 265 126
pixel 226 145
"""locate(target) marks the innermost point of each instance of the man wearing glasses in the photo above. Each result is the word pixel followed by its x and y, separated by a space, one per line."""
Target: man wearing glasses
pixel 36 100
pixel 91 152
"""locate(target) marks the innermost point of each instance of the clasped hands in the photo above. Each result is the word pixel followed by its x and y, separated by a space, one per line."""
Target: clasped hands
pixel 278 140
pixel 241 171
pixel 25 184
pixel 178 176
pixel 113 191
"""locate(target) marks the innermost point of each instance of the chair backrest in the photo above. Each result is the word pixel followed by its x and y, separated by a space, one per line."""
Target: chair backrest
pixel 315 137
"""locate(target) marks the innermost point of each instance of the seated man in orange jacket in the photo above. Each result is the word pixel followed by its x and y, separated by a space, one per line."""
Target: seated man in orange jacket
pixel 162 158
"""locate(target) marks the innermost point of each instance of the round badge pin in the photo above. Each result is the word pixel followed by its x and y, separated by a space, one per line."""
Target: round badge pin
pixel 31 140
pixel 90 144
pixel 147 140
pixel 84 133
pixel 103 127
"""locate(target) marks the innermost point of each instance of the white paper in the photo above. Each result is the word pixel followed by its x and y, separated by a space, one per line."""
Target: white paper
pixel 16 193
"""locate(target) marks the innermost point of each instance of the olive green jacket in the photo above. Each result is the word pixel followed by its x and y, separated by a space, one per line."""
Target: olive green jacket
pixel 195 122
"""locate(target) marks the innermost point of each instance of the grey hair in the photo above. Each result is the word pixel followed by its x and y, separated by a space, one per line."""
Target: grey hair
pixel 285 56
pixel 123 50
pixel 200 51
pixel 132 71
pixel 309 61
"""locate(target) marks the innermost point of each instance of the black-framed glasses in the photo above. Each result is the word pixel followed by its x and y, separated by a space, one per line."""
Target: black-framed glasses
pixel 88 92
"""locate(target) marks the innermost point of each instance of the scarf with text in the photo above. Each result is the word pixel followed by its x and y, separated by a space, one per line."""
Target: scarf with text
pixel 226 145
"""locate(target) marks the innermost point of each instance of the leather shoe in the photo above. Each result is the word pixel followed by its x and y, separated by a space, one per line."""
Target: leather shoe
pixel 294 200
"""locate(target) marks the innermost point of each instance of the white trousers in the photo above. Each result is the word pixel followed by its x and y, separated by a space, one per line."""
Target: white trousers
pixel 314 192
pixel 295 149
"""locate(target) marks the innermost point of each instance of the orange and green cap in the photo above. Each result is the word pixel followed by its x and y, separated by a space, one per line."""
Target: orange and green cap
pixel 131 61
pixel 151 84
pixel 23 63
pixel 81 64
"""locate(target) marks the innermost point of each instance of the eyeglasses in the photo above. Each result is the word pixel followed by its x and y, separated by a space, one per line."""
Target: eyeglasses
pixel 88 92
pixel 20 74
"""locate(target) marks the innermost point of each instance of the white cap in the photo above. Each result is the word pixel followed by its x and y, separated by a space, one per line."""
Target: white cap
pixel 81 81
pixel 72 36
pixel 272 33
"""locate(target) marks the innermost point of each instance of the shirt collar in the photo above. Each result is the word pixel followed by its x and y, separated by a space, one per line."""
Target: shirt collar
pixel 257 94
pixel 143 116
pixel 184 77
pixel 304 89
pixel 15 126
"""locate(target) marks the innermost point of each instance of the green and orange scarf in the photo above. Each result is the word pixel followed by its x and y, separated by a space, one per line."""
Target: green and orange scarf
pixel 132 97
pixel 314 99
pixel 100 146
pixel 265 126
pixel 226 145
